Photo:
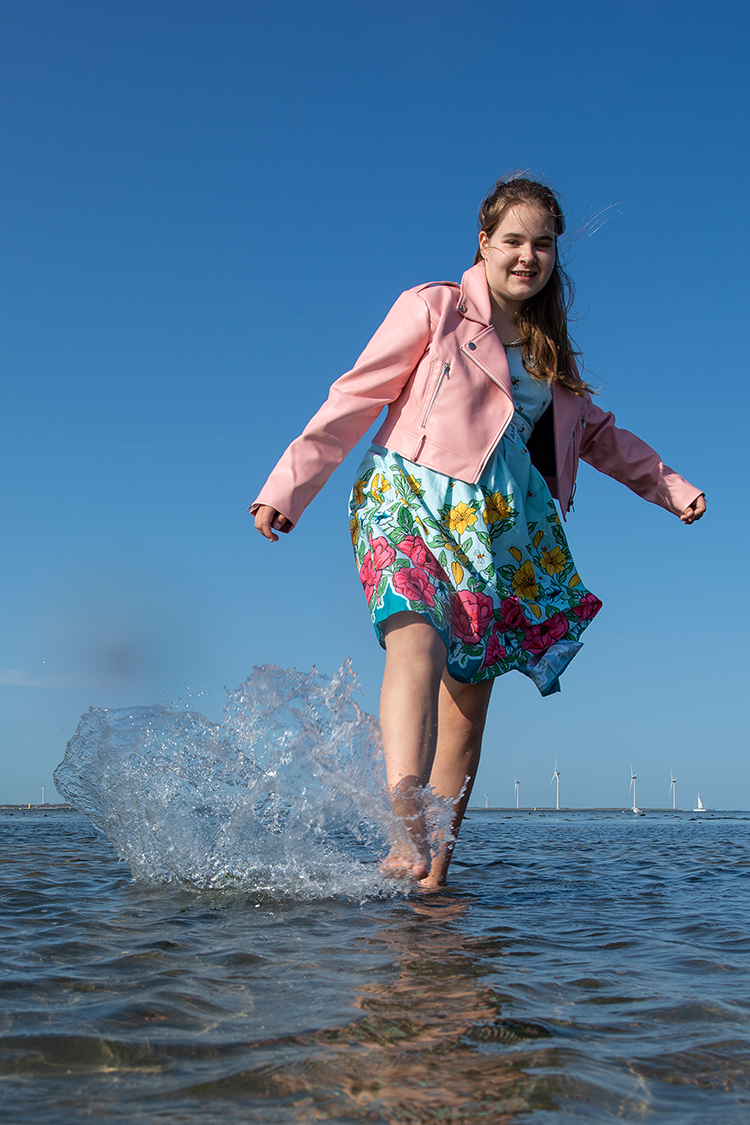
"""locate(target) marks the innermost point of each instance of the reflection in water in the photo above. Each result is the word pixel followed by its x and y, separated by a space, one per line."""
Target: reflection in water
pixel 425 1048
pixel 422 1030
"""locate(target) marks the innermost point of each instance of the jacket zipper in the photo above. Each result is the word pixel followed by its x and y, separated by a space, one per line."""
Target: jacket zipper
pixel 577 442
pixel 428 412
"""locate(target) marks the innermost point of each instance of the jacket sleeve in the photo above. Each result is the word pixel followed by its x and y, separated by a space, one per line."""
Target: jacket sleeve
pixel 354 402
pixel 627 459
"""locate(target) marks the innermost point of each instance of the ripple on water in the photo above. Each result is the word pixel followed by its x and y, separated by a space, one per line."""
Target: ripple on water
pixel 207 1007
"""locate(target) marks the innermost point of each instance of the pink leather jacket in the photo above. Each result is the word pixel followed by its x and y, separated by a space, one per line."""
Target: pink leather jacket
pixel 438 365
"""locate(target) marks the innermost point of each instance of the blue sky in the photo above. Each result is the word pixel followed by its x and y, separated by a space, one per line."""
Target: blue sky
pixel 207 209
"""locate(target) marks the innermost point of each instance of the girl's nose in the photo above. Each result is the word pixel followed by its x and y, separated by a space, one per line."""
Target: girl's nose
pixel 527 253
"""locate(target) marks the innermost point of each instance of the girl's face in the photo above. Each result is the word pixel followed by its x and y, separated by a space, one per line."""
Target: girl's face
pixel 519 255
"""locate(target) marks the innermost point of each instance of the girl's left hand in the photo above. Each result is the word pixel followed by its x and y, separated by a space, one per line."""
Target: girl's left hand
pixel 695 510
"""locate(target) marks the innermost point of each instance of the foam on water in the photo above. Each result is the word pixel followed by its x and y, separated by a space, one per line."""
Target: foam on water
pixel 285 796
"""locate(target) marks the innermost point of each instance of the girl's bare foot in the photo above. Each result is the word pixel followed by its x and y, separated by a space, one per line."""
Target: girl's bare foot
pixel 409 857
pixel 437 876
pixel 398 865
pixel 427 887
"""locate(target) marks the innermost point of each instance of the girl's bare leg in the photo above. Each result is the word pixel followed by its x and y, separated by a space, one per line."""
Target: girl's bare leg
pixel 414 664
pixel 462 713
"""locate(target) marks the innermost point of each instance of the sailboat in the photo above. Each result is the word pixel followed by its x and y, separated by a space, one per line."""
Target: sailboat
pixel 699 806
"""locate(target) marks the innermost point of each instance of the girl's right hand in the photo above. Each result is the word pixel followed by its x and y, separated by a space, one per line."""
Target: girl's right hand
pixel 695 510
pixel 267 518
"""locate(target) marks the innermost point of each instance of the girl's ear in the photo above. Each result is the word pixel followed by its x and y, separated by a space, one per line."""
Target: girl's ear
pixel 483 243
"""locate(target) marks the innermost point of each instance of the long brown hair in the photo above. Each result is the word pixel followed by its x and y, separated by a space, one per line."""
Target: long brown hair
pixel 548 352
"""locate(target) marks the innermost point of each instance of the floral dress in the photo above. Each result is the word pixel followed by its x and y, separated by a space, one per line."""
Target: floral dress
pixel 487 564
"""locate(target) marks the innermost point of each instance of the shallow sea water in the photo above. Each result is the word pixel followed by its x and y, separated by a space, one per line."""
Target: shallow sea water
pixel 583 966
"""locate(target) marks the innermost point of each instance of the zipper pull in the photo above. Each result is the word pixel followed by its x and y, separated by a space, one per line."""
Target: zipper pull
pixel 443 374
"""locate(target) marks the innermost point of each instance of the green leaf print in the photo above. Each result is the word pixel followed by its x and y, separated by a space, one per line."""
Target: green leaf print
pixel 559 536
pixel 501 528
pixel 428 521
pixel 405 519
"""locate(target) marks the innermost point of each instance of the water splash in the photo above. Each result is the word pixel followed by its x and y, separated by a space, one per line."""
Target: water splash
pixel 284 797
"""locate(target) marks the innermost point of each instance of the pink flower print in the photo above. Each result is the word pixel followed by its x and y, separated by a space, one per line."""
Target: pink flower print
pixel 495 651
pixel 539 637
pixel 368 576
pixel 588 608
pixel 382 554
pixel 513 616
pixel 416 549
pixel 471 615
pixel 414 585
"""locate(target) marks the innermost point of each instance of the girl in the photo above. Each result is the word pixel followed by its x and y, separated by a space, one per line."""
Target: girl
pixel 459 546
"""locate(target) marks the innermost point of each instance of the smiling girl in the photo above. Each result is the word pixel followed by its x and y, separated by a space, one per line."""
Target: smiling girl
pixel 457 539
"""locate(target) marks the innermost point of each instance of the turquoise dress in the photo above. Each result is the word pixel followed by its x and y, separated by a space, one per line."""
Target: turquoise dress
pixel 487 564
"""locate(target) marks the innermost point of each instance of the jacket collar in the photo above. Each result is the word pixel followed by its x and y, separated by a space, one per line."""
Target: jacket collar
pixel 474 296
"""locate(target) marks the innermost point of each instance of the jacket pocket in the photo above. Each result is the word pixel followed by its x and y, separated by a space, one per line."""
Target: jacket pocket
pixel 441 379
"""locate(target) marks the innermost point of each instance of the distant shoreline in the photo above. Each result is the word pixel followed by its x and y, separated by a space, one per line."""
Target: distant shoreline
pixel 585 808
pixel 46 807
pixel 61 807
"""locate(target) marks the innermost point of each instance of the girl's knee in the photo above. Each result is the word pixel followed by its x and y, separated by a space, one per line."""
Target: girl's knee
pixel 411 635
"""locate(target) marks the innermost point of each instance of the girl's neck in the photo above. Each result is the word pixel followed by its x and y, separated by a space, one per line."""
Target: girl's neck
pixel 504 320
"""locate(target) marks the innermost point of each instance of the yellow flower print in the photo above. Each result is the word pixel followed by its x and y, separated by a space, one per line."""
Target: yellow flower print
pixel 358 492
pixel 354 531
pixel 574 581
pixel 461 517
pixel 458 572
pixel 413 483
pixel 378 487
pixel 538 538
pixel 524 581
pixel 515 553
pixel 497 508
pixel 553 560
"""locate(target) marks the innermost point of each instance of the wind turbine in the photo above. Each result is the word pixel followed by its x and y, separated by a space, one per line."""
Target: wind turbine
pixel 42 785
pixel 633 776
pixel 673 789
pixel 518 789
pixel 556 777
pixel 486 801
